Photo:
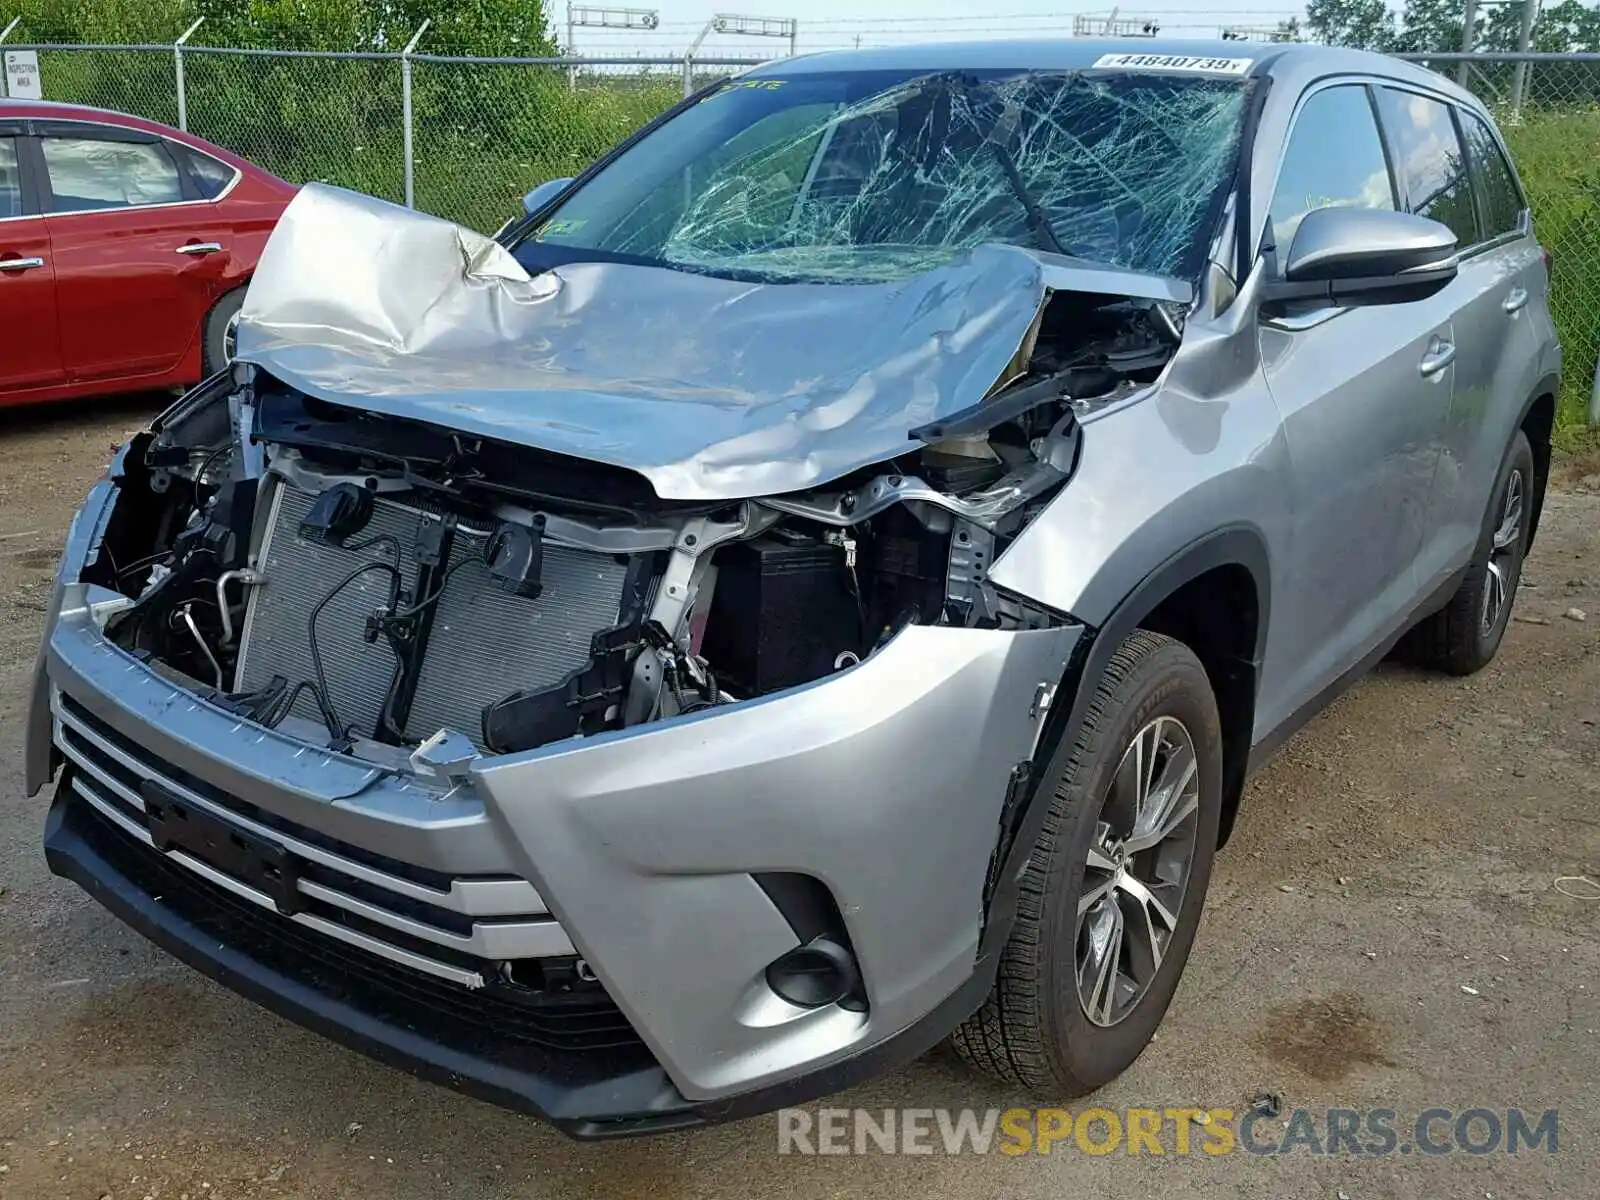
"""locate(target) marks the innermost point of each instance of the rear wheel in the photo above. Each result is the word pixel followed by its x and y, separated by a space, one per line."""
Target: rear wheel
pixel 217 343
pixel 1463 636
pixel 1112 894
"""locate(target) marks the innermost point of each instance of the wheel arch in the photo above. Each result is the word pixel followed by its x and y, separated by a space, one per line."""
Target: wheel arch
pixel 1227 566
pixel 1538 421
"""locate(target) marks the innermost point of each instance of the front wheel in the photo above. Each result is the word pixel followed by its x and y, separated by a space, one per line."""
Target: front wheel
pixel 1111 897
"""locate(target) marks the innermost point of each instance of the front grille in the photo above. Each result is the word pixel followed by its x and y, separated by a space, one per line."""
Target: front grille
pixel 485 643
pixel 494 1024
pixel 456 930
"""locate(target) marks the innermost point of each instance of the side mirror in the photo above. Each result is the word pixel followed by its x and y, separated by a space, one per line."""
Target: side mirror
pixel 1362 256
pixel 543 194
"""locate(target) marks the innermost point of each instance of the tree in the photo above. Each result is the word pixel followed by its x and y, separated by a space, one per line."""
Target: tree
pixel 1429 25
pixel 1365 24
pixel 487 27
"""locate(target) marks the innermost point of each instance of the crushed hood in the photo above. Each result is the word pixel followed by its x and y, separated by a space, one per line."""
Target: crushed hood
pixel 710 388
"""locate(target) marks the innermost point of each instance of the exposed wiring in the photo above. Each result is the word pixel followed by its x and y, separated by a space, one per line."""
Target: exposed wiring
pixel 205 463
pixel 405 614
pixel 285 703
pixel 397 681
pixel 324 698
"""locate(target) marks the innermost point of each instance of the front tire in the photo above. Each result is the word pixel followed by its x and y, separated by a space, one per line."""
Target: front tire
pixel 1111 897
pixel 1464 635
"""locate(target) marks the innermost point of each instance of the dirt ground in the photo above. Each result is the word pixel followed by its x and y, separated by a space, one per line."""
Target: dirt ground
pixel 1403 849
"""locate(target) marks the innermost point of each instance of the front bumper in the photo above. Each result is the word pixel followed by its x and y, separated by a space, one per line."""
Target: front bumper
pixel 635 850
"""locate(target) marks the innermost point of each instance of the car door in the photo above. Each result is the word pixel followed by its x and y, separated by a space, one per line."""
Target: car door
pixel 1502 273
pixel 30 354
pixel 134 276
pixel 1363 393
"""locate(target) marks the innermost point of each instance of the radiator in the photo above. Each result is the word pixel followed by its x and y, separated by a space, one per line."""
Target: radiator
pixel 485 642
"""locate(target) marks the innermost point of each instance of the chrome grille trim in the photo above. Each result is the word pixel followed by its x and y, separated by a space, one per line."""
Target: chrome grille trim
pixel 536 936
pixel 469 979
pixel 471 897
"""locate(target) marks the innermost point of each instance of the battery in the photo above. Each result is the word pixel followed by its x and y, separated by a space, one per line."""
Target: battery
pixel 781 615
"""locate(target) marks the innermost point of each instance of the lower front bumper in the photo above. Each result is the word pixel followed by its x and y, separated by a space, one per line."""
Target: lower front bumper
pixel 391 1015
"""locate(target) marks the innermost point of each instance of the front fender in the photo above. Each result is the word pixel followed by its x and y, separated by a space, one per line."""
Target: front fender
pixel 1154 479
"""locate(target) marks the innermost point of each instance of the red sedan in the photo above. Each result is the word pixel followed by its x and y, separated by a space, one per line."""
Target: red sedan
pixel 124 250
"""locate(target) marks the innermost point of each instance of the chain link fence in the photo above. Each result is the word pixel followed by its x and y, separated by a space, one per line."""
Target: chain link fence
pixel 464 138
pixel 1548 108
pixel 478 133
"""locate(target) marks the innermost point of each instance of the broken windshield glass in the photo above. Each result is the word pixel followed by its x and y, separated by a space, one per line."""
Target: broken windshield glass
pixel 871 176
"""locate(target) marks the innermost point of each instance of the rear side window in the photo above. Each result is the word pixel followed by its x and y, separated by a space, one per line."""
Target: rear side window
pixel 1429 159
pixel 209 176
pixel 10 179
pixel 1497 186
pixel 1334 157
pixel 88 174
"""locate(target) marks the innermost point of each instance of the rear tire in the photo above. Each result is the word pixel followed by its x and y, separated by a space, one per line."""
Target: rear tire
pixel 1463 636
pixel 1036 1027
pixel 217 332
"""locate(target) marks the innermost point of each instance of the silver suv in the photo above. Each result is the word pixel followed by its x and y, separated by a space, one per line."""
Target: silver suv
pixel 817 584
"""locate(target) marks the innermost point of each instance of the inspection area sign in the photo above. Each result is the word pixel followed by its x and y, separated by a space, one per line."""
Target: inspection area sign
pixel 22 75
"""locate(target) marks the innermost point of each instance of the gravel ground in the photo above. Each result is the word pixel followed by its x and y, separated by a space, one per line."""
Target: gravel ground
pixel 1401 850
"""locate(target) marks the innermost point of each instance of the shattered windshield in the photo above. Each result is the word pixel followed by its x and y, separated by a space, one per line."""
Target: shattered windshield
pixel 877 176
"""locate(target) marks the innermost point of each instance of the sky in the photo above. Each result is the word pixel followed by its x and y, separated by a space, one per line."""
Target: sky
pixel 826 24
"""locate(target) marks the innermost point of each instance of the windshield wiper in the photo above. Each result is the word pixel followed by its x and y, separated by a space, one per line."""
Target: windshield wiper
pixel 1037 217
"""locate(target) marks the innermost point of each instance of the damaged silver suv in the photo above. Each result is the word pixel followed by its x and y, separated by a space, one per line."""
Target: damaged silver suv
pixel 814 587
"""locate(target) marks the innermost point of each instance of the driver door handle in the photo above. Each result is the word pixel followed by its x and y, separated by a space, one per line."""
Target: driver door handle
pixel 200 248
pixel 20 264
pixel 1439 356
pixel 1515 299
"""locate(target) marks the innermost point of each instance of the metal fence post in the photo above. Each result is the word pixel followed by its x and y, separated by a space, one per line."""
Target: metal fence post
pixel 177 71
pixel 1519 74
pixel 688 56
pixel 405 110
pixel 5 87
pixel 1469 19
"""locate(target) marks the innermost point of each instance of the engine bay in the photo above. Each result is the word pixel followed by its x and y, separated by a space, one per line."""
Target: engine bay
pixel 412 595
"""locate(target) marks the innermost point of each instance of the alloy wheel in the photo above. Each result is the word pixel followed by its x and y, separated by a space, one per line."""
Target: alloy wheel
pixel 230 338
pixel 1503 551
pixel 1137 870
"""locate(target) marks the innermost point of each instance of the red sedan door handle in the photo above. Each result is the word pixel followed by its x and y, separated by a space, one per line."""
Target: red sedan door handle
pixel 200 248
pixel 20 264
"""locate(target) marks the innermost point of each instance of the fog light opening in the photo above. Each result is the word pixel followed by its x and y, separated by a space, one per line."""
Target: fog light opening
pixel 819 973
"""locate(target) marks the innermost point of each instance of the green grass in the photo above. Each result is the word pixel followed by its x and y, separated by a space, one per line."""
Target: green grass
pixel 1556 156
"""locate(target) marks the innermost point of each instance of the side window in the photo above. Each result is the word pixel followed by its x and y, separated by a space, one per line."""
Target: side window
pixel 1497 186
pixel 88 174
pixel 1334 157
pixel 10 179
pixel 208 175
pixel 1430 160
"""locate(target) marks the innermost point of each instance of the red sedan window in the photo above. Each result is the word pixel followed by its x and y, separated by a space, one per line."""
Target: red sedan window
pixel 88 174
pixel 210 176
pixel 10 179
